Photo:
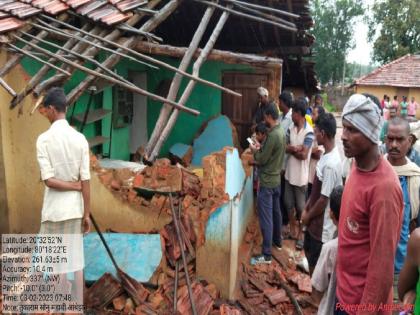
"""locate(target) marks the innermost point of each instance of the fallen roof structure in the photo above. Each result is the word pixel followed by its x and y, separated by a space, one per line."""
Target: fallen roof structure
pixel 127 29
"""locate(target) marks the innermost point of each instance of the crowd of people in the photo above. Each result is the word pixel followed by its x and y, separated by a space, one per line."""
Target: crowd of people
pixel 355 217
pixel 401 107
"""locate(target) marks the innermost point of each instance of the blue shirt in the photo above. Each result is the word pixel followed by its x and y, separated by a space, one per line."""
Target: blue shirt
pixel 405 229
pixel 414 156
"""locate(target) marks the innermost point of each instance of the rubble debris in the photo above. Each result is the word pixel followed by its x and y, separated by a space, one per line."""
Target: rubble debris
pixel 181 153
pixel 103 291
pixel 279 288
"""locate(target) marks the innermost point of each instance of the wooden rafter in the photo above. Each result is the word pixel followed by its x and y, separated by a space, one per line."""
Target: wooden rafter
pixel 188 90
pixel 111 61
pixel 176 81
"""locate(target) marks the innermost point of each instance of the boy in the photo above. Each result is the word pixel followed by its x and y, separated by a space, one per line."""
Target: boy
pixel 323 278
pixel 261 133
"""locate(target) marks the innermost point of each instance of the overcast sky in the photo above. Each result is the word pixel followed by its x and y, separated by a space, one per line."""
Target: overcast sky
pixel 363 49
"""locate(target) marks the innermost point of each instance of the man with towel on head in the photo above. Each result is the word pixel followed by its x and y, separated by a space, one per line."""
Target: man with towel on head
pixel 263 101
pixel 371 216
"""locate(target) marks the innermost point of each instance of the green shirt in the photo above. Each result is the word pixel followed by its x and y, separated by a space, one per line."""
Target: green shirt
pixel 270 158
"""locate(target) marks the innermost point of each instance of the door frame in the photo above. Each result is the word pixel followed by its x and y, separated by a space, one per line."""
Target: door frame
pixel 274 75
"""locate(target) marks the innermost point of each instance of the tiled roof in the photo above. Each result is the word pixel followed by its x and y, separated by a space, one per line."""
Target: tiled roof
pixel 13 14
pixel 402 72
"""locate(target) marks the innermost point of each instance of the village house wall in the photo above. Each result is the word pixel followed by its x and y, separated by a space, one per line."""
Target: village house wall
pixel 380 91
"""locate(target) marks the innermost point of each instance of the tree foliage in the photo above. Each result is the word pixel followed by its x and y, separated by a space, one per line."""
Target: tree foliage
pixel 333 30
pixel 394 27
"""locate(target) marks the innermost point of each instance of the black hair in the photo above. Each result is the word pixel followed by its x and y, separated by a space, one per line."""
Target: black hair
pixel 327 123
pixel 304 100
pixel 398 121
pixel 272 110
pixel 261 128
pixel 395 97
pixel 57 98
pixel 321 109
pixel 335 201
pixel 287 98
pixel 318 96
pixel 375 100
pixel 299 106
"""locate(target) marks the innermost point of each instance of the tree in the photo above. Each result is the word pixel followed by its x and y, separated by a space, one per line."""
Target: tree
pixel 334 35
pixel 394 28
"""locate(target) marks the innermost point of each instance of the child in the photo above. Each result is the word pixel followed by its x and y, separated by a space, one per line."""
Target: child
pixel 261 133
pixel 259 137
pixel 323 278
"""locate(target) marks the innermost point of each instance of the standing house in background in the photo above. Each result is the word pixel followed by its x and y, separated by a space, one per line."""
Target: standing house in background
pixel 399 77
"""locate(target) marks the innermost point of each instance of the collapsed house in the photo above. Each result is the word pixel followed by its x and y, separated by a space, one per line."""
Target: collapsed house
pixel 140 87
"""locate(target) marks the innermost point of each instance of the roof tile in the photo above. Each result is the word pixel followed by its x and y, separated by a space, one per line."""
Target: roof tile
pixel 9 24
pixel 402 72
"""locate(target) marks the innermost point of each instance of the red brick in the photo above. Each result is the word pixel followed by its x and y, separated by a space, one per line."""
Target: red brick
pixel 129 306
pixel 115 184
pixel 277 296
pixel 138 180
pixel 304 283
pixel 119 302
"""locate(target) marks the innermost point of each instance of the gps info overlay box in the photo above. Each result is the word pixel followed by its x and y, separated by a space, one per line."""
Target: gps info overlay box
pixel 42 273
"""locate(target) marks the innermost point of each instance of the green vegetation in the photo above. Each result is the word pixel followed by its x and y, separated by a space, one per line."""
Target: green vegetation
pixel 394 28
pixel 329 107
pixel 333 30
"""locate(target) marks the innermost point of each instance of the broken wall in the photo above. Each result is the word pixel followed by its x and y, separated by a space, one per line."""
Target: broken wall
pixel 21 184
pixel 217 259
pixel 21 188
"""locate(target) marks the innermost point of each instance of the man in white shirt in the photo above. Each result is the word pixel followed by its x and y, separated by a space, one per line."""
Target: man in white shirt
pixel 63 158
pixel 320 228
pixel 299 139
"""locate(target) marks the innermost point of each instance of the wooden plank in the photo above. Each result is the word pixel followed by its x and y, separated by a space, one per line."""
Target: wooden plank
pixel 217 55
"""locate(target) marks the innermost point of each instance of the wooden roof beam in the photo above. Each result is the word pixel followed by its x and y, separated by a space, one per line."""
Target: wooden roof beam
pixel 216 55
pixel 111 61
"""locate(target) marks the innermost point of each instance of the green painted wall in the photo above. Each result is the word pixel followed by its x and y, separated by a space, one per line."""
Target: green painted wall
pixel 203 98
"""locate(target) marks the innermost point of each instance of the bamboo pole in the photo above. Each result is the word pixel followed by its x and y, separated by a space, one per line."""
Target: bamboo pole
pixel 16 58
pixel 188 90
pixel 97 74
pixel 35 57
pixel 135 31
pixel 95 62
pixel 35 53
pixel 41 73
pixel 265 15
pixel 60 78
pixel 7 87
pixel 265 8
pixel 89 42
pixel 111 61
pixel 150 59
pixel 248 16
pixel 176 81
